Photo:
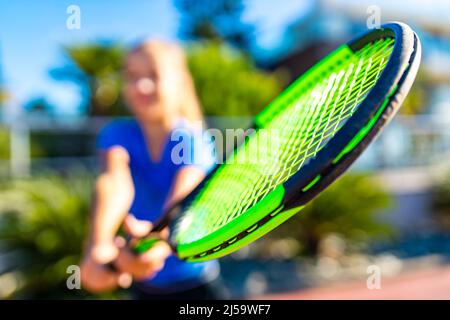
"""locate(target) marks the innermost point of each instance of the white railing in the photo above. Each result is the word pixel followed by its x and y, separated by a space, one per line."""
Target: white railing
pixel 407 141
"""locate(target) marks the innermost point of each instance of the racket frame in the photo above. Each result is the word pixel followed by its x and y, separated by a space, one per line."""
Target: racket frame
pixel 372 115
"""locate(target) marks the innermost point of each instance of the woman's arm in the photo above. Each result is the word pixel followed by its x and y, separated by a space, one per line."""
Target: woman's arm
pixel 146 265
pixel 185 181
pixel 114 193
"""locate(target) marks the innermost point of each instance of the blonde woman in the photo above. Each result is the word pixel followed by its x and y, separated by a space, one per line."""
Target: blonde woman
pixel 140 178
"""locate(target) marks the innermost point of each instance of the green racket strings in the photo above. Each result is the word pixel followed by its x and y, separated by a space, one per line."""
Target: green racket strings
pixel 298 125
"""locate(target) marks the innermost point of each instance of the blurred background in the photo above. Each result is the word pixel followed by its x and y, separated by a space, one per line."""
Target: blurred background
pixel 60 83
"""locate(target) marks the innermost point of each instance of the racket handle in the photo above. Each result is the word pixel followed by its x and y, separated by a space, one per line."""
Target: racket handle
pixel 140 247
pixel 146 244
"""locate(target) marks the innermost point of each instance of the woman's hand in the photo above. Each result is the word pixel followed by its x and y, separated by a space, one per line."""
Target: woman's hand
pixel 96 277
pixel 144 265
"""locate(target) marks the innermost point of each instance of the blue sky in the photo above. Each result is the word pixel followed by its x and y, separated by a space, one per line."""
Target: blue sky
pixel 32 32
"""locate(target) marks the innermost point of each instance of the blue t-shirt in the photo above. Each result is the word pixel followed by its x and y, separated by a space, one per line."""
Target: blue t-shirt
pixel 152 183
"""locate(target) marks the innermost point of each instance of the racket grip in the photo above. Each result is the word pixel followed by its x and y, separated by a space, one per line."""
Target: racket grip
pixel 140 247
pixel 145 244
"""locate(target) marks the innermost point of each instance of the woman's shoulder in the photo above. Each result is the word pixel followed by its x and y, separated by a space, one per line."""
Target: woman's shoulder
pixel 193 145
pixel 117 132
pixel 122 127
pixel 120 124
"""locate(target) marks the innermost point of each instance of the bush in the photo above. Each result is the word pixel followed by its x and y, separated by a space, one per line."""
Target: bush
pixel 96 68
pixel 43 225
pixel 4 143
pixel 228 83
pixel 349 208
pixel 440 202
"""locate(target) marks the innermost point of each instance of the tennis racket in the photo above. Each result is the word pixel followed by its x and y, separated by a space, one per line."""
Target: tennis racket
pixel 318 127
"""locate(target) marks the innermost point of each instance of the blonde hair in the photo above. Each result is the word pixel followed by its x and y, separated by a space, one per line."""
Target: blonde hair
pixel 189 105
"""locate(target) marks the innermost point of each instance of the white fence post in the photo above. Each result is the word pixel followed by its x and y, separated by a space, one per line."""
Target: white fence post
pixel 20 148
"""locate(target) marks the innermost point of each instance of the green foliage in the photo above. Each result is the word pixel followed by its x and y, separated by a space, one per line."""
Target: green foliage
pixel 418 99
pixel 4 95
pixel 4 143
pixel 43 226
pixel 227 82
pixel 349 207
pixel 97 59
pixel 440 202
pixel 36 151
pixel 66 144
pixel 219 20
pixel 96 68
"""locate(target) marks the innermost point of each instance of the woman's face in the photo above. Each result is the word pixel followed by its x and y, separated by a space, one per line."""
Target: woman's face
pixel 147 86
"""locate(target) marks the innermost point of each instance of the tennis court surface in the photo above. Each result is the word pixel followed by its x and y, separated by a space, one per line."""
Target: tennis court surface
pixel 432 283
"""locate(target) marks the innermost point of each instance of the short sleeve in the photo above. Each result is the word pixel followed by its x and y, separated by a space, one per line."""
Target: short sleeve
pixel 113 134
pixel 193 147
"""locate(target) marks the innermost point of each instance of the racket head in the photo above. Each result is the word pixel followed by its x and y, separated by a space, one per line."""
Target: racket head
pixel 241 201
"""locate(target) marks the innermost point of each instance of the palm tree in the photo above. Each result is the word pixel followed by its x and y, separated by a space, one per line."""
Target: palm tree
pixel 95 67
